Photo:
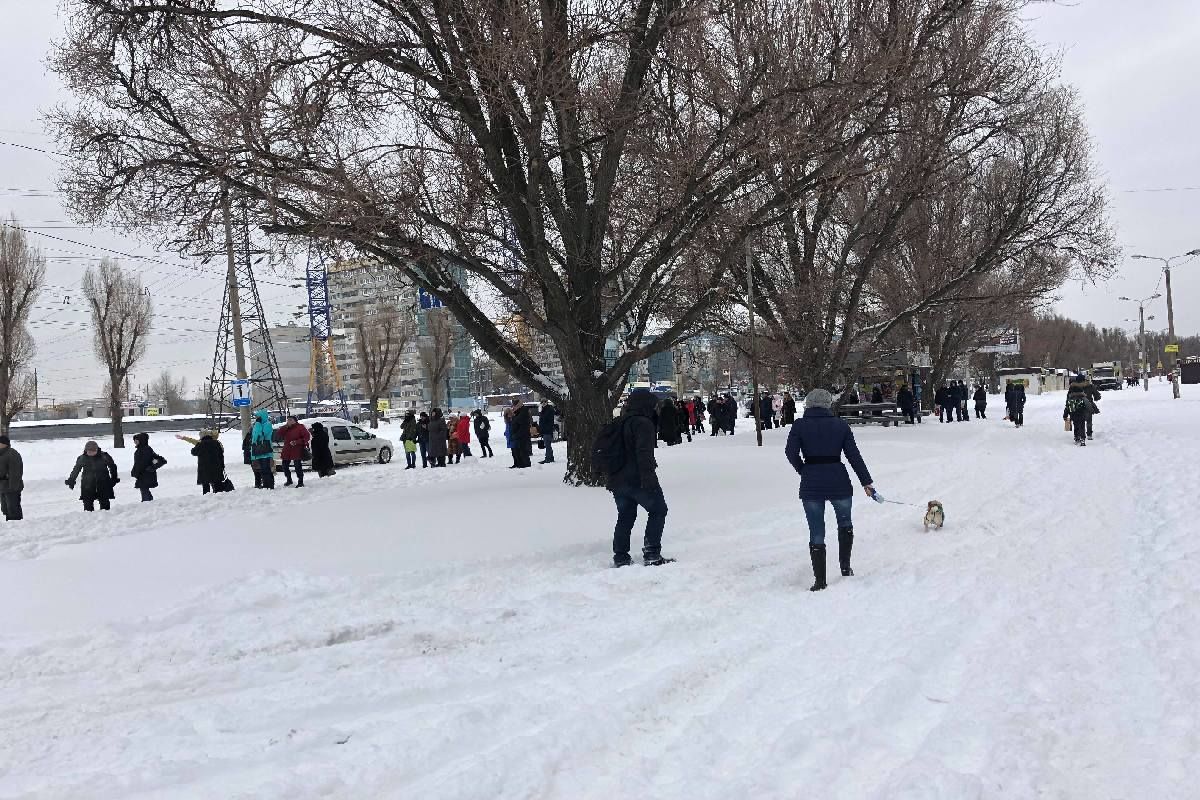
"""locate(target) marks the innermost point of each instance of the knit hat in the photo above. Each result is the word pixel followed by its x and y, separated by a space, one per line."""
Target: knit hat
pixel 90 444
pixel 818 398
pixel 4 440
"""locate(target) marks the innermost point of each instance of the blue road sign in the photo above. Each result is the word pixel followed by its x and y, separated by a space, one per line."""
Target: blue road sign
pixel 427 300
pixel 240 393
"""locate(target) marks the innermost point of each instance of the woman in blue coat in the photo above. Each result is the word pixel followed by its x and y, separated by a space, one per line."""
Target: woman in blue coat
pixel 814 447
pixel 262 449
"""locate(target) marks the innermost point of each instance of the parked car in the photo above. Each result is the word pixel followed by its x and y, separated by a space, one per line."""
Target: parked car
pixel 349 443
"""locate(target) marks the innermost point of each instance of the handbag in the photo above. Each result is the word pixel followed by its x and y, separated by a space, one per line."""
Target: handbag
pixel 261 448
pixel 1066 424
pixel 306 454
pixel 227 485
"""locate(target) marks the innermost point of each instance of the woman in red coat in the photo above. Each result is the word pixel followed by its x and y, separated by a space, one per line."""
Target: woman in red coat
pixel 295 438
pixel 463 428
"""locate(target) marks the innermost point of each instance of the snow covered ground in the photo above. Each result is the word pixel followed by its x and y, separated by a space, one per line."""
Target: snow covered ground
pixel 455 633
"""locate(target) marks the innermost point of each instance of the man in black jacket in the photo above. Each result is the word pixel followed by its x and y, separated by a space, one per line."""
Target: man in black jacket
pixel 636 483
pixel 546 423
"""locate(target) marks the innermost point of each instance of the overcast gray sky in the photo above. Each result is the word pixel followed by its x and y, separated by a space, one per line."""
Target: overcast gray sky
pixel 1134 63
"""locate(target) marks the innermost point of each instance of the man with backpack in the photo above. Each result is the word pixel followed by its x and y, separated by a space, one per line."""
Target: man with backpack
pixel 624 451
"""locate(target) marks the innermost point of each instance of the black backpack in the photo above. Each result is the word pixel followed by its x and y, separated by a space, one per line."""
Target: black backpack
pixel 608 453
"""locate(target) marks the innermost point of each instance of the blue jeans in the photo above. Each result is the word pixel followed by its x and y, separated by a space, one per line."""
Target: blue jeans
pixel 628 498
pixel 548 443
pixel 814 511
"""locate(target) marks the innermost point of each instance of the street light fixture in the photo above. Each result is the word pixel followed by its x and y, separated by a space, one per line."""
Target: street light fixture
pixel 1171 311
pixel 1143 358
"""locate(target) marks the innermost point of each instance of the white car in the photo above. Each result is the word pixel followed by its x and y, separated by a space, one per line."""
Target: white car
pixel 349 443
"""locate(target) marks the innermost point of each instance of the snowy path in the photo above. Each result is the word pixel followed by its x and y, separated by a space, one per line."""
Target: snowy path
pixel 460 638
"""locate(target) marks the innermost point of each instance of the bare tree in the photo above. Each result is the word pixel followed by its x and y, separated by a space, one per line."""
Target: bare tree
pixel 436 352
pixel 170 391
pixel 596 170
pixel 121 318
pixel 381 337
pixel 22 272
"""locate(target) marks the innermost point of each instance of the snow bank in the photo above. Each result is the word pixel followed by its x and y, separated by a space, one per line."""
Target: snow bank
pixel 456 633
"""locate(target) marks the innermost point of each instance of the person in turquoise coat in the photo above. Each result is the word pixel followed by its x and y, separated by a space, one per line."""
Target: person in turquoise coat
pixel 262 451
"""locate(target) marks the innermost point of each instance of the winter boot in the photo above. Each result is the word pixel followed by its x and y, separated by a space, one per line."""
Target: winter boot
pixel 622 560
pixel 845 545
pixel 817 553
pixel 654 558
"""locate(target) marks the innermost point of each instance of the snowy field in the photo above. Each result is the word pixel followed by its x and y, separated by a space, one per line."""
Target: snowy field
pixel 456 634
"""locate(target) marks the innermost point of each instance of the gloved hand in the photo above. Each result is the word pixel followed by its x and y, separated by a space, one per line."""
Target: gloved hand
pixel 70 484
pixel 116 481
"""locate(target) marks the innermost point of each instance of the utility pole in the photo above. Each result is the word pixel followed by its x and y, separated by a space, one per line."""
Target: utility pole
pixel 35 390
pixel 235 306
pixel 753 345
pixel 1143 356
pixel 1171 312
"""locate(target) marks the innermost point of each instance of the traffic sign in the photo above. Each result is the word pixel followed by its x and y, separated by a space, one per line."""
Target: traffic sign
pixel 1171 348
pixel 426 300
pixel 240 393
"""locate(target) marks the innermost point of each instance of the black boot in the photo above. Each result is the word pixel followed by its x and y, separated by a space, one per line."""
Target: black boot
pixel 621 560
pixel 845 545
pixel 817 553
pixel 654 558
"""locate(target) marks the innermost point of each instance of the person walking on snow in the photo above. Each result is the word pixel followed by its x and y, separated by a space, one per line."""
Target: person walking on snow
pixel 698 406
pixel 907 403
pixel 453 445
pixel 483 428
pixel 322 455
pixel 668 424
pixel 980 402
pixel 1014 399
pixel 547 421
pixel 146 464
pixel 1093 394
pixel 1078 407
pixel 522 435
pixel 636 482
pixel 714 415
pixel 12 481
pixel 97 476
pixel 423 438
pixel 439 438
pixel 685 424
pixel 787 411
pixel 262 450
pixel 814 448
pixel 766 411
pixel 295 439
pixel 210 463
pixel 408 439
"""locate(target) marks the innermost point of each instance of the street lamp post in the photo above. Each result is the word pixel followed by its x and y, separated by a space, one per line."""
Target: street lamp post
pixel 1143 357
pixel 1171 312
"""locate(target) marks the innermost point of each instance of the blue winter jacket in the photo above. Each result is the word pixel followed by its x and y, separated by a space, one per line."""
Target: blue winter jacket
pixel 261 432
pixel 822 437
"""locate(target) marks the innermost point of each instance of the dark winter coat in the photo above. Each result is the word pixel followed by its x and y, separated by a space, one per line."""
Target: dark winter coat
pixel 322 456
pixel 547 419
pixel 766 408
pixel 788 412
pixel 1079 400
pixel 640 470
pixel 980 398
pixel 941 397
pixel 698 408
pixel 1014 396
pixel 295 440
pixel 877 395
pixel 520 434
pixel 146 464
pixel 668 423
pixel 210 461
pixel 439 436
pixel 714 411
pixel 12 471
pixel 906 400
pixel 423 430
pixel 483 427
pixel 814 448
pixel 97 475
pixel 408 428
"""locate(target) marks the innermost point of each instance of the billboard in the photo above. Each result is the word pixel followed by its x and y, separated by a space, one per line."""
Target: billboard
pixel 1005 342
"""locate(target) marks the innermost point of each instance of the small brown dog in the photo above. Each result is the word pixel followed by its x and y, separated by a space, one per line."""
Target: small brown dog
pixel 935 515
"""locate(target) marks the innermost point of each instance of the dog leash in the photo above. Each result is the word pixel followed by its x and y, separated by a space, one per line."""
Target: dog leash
pixel 878 498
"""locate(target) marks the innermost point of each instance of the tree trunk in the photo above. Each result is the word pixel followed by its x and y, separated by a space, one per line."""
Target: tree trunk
pixel 374 411
pixel 584 414
pixel 5 388
pixel 114 410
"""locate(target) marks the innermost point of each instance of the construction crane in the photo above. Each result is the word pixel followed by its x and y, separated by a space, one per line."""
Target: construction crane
pixel 321 357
